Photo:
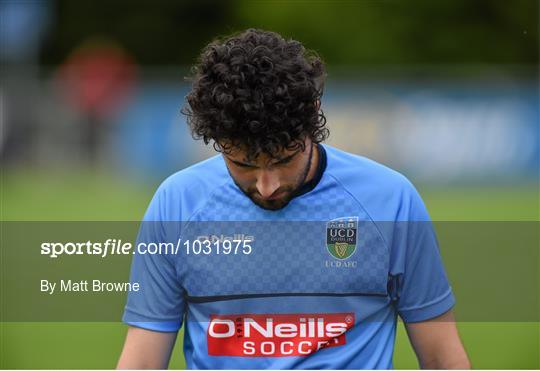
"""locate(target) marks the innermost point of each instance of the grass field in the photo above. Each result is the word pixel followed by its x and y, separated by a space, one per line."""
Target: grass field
pixel 62 196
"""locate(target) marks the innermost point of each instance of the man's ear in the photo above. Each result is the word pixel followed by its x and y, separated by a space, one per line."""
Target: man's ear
pixel 318 104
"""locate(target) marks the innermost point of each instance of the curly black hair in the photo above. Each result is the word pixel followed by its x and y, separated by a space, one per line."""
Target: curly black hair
pixel 258 91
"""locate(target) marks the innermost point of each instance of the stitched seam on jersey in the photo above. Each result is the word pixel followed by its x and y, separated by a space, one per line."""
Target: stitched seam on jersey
pixel 192 216
pixel 190 219
pixel 430 303
pixel 363 208
pixel 176 261
pixel 216 298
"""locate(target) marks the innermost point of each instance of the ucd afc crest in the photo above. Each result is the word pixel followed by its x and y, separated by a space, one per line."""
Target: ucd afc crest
pixel 341 237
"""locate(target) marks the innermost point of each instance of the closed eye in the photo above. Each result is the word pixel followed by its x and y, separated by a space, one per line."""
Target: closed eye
pixel 284 161
pixel 243 165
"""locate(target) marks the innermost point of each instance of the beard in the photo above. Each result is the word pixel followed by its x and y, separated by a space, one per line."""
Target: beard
pixel 289 191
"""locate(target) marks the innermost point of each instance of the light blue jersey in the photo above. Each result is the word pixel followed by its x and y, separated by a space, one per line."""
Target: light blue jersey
pixel 318 284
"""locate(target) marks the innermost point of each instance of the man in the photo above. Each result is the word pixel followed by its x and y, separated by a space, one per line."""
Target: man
pixel 333 246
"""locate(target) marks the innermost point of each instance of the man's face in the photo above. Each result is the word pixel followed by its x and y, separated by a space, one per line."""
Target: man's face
pixel 270 183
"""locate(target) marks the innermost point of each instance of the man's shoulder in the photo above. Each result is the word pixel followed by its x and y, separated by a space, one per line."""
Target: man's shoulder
pixel 358 170
pixel 382 191
pixel 203 175
pixel 186 191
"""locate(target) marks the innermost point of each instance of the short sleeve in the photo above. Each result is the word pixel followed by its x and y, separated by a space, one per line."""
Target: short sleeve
pixel 159 303
pixel 424 290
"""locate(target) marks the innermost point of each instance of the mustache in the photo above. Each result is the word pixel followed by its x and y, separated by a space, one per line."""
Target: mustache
pixel 254 191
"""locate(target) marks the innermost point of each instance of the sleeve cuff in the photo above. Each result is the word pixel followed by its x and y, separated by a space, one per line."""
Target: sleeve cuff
pixel 133 319
pixel 431 310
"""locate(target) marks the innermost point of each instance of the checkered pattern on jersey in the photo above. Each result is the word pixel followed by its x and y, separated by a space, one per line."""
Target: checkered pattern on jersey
pixel 288 253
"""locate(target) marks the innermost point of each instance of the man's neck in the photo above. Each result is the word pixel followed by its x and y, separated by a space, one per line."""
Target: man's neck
pixel 314 165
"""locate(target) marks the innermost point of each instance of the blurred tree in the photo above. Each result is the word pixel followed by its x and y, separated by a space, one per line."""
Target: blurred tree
pixel 156 33
pixel 345 32
pixel 406 32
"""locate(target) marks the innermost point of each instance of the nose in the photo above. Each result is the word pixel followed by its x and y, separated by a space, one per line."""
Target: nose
pixel 267 183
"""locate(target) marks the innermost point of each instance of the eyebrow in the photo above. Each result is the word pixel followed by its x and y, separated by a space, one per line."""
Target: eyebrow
pixel 282 160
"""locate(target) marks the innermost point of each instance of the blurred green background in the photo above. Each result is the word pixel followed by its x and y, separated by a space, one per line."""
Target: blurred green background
pixel 446 92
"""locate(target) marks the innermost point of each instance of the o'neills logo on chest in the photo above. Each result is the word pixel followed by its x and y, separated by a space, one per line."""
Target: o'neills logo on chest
pixel 276 335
